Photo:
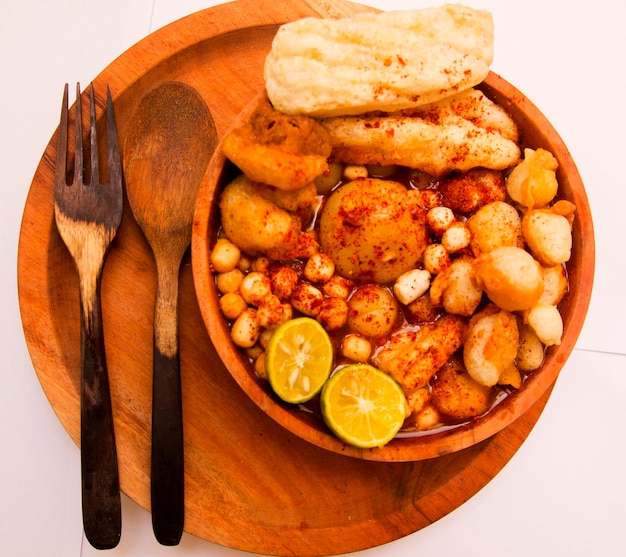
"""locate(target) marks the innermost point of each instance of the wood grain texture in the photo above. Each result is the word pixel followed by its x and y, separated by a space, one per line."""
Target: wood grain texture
pixel 250 484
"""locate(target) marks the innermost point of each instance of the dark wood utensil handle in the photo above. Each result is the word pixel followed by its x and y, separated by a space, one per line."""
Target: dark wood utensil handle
pixel 102 512
pixel 167 485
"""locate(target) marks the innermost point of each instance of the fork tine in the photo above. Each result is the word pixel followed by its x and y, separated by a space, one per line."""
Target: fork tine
pixel 78 154
pixel 61 162
pixel 93 135
pixel 114 163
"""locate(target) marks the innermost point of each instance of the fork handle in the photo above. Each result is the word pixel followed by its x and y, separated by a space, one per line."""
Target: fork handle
pixel 102 513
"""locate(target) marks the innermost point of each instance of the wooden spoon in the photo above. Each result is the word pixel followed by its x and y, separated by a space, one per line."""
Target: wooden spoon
pixel 169 142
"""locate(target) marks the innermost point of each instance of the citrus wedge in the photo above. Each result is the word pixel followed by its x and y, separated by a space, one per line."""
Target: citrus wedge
pixel 363 406
pixel 298 359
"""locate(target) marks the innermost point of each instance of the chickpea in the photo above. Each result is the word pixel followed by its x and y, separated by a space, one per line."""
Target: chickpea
pixel 337 287
pixel 225 256
pixel 427 418
pixel 272 312
pixel 283 280
pixel 333 313
pixel 456 237
pixel 261 264
pixel 307 299
pixel 245 263
pixel 246 330
pixel 254 351
pixel 264 337
pixel 254 287
pixel 353 172
pixel 319 268
pixel 439 219
pixel 422 310
pixel 417 399
pixel 428 198
pixel 259 366
pixel 373 311
pixel 229 281
pixel 232 305
pixel 436 258
pixel 356 348
pixel 307 245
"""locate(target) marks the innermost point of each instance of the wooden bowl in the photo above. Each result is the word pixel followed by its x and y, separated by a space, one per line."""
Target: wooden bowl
pixel 536 132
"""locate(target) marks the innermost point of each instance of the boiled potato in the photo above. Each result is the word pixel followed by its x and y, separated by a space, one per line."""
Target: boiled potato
pixel 257 225
pixel 373 230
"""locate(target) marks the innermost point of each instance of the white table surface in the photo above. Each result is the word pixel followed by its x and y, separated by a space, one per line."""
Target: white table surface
pixel 563 493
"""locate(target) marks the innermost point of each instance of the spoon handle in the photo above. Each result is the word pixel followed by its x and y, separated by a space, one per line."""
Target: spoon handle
pixel 167 483
pixel 167 458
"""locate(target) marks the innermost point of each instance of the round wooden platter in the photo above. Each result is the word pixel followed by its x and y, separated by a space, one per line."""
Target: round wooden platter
pixel 250 484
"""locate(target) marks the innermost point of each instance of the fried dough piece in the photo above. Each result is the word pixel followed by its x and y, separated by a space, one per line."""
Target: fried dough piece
pixel 533 183
pixel 459 133
pixel 548 233
pixel 493 226
pixel 455 288
pixel 511 277
pixel 491 346
pixel 476 188
pixel 413 356
pixel 287 152
pixel 457 395
pixel 387 61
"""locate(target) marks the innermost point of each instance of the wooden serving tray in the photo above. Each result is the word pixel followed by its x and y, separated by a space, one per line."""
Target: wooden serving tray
pixel 250 484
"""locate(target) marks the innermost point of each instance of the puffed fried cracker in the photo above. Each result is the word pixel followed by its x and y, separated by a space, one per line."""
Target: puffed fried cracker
pixel 387 61
pixel 461 132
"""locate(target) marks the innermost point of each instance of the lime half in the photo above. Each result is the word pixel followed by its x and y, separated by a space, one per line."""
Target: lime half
pixel 298 359
pixel 363 406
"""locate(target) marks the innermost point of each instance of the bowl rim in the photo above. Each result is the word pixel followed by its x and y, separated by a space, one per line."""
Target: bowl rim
pixel 422 446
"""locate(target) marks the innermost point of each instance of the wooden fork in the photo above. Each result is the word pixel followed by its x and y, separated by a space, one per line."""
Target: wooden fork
pixel 87 217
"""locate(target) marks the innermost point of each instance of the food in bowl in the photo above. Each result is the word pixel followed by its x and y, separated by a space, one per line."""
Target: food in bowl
pixel 423 240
